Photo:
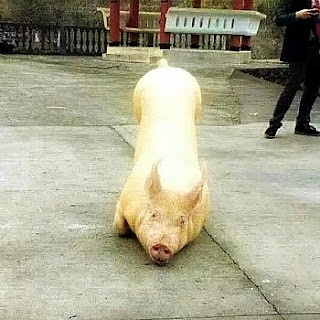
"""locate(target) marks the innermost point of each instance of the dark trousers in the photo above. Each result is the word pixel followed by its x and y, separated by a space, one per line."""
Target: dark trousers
pixel 307 71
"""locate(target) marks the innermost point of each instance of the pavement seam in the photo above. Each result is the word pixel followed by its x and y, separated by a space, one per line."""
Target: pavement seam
pixel 58 190
pixel 121 137
pixel 300 314
pixel 245 274
pixel 209 317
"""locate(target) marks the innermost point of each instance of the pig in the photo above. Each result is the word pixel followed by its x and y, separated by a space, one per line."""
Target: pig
pixel 165 200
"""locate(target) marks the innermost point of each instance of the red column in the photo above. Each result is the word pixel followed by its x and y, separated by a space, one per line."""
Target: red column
pixel 133 22
pixel 164 36
pixel 236 41
pixel 194 37
pixel 114 22
pixel 246 41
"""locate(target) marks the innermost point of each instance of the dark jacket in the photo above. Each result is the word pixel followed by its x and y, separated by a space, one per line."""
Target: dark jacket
pixel 297 35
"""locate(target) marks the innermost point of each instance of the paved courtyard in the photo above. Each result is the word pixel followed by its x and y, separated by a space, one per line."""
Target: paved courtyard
pixel 67 136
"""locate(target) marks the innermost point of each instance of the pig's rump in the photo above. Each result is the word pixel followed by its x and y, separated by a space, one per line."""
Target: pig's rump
pixel 167 93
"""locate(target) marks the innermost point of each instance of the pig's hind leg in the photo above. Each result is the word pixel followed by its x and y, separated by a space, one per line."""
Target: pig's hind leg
pixel 120 224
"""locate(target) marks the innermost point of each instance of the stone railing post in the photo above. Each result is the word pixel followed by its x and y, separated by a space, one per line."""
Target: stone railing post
pixel 63 40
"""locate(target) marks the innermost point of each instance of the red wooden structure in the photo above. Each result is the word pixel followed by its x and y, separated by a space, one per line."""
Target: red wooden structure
pixel 164 36
pixel 241 42
pixel 237 42
pixel 114 22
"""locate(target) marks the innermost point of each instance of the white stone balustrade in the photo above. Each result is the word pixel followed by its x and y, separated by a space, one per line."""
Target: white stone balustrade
pixel 213 21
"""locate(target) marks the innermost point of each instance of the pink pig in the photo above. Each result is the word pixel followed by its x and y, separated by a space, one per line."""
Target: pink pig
pixel 165 200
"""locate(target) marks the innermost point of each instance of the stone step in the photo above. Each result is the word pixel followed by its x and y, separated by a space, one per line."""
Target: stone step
pixel 181 57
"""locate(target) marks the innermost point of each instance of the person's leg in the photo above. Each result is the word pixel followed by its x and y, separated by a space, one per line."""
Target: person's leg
pixel 312 84
pixel 295 78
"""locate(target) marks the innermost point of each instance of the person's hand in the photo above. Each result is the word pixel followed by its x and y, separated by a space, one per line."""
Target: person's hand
pixel 306 13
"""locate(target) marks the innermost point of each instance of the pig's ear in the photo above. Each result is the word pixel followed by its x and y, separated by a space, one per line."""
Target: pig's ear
pixel 153 184
pixel 194 196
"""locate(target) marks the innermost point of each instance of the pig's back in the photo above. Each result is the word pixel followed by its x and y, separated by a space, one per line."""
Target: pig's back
pixel 169 99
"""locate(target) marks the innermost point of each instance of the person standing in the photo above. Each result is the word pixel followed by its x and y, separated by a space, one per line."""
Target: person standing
pixel 301 49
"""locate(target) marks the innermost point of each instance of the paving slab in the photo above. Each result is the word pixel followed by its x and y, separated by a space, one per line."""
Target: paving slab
pixel 270 227
pixel 60 257
pixel 64 91
pixel 301 316
pixel 258 98
pixel 46 158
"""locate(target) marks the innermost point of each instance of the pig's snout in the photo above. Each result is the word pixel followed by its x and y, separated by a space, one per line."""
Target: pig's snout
pixel 160 254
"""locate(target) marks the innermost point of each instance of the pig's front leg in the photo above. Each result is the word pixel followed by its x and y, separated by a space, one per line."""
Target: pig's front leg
pixel 120 225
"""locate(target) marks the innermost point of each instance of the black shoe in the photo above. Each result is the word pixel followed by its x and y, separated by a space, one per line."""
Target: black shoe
pixel 271 132
pixel 306 130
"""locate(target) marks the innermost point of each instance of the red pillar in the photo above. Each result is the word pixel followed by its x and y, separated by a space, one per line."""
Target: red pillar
pixel 246 41
pixel 236 41
pixel 114 22
pixel 133 22
pixel 164 36
pixel 194 37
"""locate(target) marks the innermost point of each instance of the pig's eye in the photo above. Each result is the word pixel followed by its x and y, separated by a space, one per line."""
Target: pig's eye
pixel 182 220
pixel 154 214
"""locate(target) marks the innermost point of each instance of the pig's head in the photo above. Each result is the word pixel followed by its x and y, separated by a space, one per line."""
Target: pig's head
pixel 169 220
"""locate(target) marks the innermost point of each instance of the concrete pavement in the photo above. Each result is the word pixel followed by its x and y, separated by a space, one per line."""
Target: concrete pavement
pixel 67 135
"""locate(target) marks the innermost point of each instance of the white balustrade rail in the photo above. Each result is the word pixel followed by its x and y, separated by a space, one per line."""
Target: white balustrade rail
pixel 213 21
